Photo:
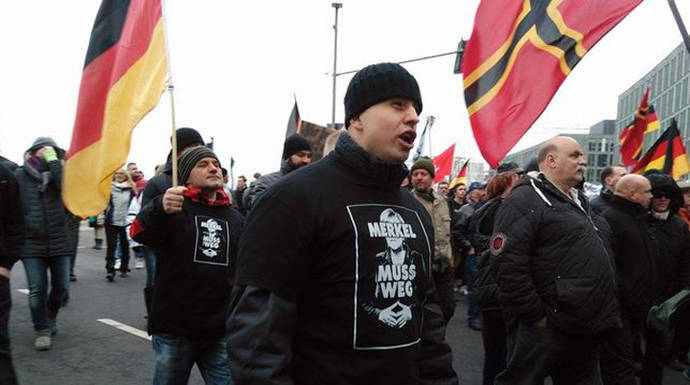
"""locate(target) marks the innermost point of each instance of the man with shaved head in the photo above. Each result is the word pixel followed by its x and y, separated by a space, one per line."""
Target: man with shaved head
pixel 634 254
pixel 551 261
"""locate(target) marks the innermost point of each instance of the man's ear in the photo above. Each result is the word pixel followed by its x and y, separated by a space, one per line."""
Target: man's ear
pixel 356 123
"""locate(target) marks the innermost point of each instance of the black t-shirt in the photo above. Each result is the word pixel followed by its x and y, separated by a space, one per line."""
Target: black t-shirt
pixel 353 251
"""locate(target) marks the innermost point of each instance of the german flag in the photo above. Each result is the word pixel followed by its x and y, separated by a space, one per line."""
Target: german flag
pixel 632 136
pixel 517 57
pixel 667 154
pixel 124 75
pixel 461 177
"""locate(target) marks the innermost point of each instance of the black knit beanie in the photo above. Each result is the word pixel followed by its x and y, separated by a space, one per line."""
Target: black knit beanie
pixel 294 144
pixel 187 136
pixel 190 158
pixel 376 83
pixel 425 163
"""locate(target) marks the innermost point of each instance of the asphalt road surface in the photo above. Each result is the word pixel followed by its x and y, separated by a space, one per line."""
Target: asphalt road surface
pixel 102 340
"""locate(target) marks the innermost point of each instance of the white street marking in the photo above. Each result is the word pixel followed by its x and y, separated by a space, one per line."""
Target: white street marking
pixel 125 328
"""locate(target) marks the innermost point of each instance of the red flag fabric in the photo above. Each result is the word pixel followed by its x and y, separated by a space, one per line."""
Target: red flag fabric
pixel 632 136
pixel 443 163
pixel 517 57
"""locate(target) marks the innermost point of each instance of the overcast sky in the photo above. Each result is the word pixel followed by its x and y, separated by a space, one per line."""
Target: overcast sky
pixel 236 66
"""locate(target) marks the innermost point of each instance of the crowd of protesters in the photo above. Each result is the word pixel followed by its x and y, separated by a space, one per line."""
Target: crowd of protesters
pixel 347 270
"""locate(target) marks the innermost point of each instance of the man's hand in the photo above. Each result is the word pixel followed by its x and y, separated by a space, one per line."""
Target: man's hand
pixel 48 153
pixel 541 322
pixel 4 272
pixel 172 199
pixel 470 251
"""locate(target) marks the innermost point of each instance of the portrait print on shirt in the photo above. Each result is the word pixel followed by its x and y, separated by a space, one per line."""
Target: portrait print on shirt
pixel 391 260
pixel 212 241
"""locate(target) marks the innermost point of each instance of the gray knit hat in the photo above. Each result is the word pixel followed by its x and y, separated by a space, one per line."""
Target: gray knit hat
pixel 376 83
pixel 190 158
pixel 425 163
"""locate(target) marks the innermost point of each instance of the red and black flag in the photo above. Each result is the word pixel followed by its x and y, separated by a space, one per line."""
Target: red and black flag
pixel 519 54
pixel 667 154
pixel 632 136
pixel 294 122
pixel 124 75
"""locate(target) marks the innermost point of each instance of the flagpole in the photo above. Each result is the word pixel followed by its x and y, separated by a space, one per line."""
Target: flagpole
pixel 679 22
pixel 171 88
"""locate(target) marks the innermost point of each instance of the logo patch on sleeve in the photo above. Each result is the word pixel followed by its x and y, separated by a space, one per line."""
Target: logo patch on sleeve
pixel 497 243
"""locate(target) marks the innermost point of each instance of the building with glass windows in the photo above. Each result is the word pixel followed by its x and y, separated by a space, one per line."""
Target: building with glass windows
pixel 668 93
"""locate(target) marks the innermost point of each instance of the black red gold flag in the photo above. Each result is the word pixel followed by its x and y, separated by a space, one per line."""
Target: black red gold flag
pixel 667 154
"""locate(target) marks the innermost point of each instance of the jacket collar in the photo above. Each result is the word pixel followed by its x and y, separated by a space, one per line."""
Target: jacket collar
pixel 628 206
pixel 372 170
pixel 197 196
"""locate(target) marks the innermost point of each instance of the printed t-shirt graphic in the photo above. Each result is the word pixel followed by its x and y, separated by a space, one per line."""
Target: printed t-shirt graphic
pixel 212 246
pixel 392 254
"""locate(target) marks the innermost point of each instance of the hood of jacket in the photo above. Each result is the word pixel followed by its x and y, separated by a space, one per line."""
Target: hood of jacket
pixel 663 182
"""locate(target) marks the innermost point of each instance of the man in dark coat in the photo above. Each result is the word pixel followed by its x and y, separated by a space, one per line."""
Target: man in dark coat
pixel 554 273
pixel 672 264
pixel 194 231
pixel 297 314
pixel 635 255
pixel 47 244
pixel 609 177
pixel 296 154
pixel 11 241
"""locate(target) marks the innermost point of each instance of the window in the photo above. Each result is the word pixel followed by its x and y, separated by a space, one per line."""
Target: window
pixel 590 146
pixel 590 159
pixel 602 160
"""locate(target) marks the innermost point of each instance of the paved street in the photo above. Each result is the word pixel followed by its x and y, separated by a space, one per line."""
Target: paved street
pixel 89 351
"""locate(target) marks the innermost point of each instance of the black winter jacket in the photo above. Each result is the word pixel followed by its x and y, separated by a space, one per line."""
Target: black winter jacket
pixel 635 251
pixel 672 241
pixel 11 219
pixel 601 202
pixel 552 260
pixel 486 293
pixel 195 252
pixel 330 252
pixel 158 184
pixel 44 214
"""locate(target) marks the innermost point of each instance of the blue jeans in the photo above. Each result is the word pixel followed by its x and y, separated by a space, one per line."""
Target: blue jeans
pixel 175 356
pixel 44 306
pixel 149 257
pixel 473 311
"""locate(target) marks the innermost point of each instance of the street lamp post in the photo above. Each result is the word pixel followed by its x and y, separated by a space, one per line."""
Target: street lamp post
pixel 337 6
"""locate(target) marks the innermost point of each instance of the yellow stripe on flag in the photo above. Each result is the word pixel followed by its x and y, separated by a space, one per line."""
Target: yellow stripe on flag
pixel 129 100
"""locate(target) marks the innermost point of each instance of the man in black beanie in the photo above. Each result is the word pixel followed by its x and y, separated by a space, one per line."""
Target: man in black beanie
pixel 296 154
pixel 156 186
pixel 194 232
pixel 333 279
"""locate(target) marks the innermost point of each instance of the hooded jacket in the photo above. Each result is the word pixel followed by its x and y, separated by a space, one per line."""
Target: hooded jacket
pixel 672 240
pixel 334 250
pixel 551 260
pixel 44 214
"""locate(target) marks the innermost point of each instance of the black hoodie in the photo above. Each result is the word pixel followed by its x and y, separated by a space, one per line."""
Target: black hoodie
pixel 332 249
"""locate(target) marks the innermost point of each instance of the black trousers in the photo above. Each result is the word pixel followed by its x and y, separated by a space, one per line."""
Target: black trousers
pixel 495 339
pixel 444 290
pixel 541 352
pixel 621 349
pixel 73 234
pixel 7 374
pixel 111 233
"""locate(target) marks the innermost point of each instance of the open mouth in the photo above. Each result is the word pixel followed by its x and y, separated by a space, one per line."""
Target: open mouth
pixel 408 137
